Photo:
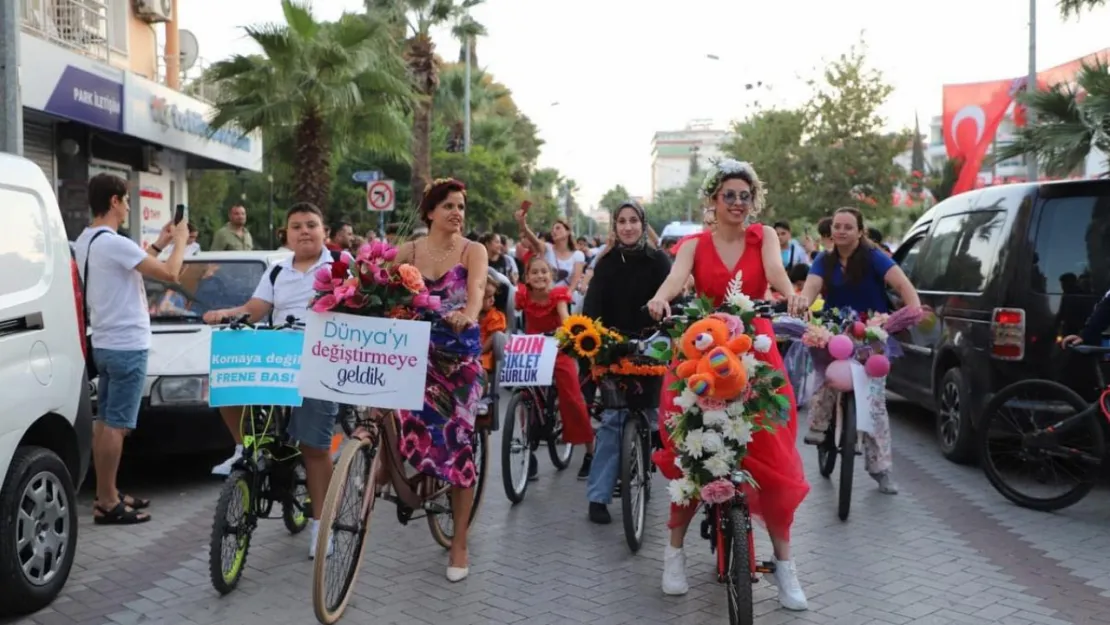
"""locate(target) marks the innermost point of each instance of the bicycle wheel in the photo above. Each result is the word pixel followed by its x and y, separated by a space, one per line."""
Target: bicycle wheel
pixel 344 525
pixel 738 584
pixel 443 524
pixel 516 448
pixel 826 451
pixel 559 451
pixel 847 455
pixel 295 509
pixel 1012 439
pixel 231 532
pixel 633 479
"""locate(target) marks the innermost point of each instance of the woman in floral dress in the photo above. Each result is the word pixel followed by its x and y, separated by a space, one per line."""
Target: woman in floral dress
pixel 438 439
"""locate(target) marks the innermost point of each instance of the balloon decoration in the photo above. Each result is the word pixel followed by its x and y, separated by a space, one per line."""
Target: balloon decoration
pixel 841 347
pixel 838 375
pixel 877 366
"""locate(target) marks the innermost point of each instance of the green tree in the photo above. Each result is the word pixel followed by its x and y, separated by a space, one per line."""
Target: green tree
pixel 412 22
pixel 917 158
pixel 490 192
pixel 319 88
pixel 1069 122
pixel 1069 8
pixel 774 142
pixel 678 204
pixel 613 198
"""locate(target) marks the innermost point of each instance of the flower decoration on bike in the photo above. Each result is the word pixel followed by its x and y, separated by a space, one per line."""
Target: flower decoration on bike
pixel 375 286
pixel 836 337
pixel 725 395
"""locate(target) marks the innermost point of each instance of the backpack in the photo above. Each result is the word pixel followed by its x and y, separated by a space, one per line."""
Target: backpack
pixel 335 258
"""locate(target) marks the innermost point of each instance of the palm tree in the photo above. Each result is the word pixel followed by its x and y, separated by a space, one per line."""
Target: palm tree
pixel 412 22
pixel 1070 121
pixel 1075 7
pixel 319 89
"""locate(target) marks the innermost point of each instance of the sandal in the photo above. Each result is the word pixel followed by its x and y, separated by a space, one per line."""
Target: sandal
pixel 135 503
pixel 121 514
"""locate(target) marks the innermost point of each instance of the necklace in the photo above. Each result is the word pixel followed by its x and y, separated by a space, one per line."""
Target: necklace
pixel 444 253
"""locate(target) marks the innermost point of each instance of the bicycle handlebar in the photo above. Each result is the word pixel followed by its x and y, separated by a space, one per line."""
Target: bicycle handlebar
pixel 244 321
pixel 1089 350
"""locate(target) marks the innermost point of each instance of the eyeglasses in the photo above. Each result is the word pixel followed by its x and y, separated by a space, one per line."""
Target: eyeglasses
pixel 731 197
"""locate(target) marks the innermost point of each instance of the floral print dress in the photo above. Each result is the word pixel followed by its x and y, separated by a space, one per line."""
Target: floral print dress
pixel 438 439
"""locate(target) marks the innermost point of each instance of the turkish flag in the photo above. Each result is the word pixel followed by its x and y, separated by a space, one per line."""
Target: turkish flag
pixel 972 127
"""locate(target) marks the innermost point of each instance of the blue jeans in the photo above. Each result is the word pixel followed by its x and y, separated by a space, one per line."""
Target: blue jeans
pixel 606 467
pixel 119 389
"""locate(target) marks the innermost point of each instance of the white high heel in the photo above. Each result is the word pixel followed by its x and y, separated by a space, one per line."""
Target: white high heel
pixel 457 574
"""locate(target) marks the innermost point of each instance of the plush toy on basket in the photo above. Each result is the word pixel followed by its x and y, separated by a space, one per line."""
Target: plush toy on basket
pixel 838 337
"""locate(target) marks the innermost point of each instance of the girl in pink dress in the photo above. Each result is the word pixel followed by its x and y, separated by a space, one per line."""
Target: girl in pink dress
pixel 733 191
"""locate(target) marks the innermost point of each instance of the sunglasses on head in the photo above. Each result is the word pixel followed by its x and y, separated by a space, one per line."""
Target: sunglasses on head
pixel 731 197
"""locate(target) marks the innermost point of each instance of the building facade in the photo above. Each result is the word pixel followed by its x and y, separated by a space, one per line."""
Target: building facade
pixel 673 152
pixel 101 90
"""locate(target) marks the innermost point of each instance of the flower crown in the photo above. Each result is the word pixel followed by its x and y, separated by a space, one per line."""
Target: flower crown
pixel 719 168
pixel 439 181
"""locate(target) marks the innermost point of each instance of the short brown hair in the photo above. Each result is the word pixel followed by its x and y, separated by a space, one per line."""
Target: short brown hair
pixel 102 188
pixel 303 207
pixel 435 194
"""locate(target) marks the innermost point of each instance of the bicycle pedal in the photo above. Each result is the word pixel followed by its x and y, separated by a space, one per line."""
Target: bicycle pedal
pixel 435 508
pixel 755 579
pixel 766 567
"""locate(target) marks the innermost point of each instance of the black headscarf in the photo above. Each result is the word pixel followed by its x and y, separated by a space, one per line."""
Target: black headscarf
pixel 640 243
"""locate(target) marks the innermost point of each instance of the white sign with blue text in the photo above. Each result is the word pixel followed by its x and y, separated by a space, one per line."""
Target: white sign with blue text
pixel 529 360
pixel 365 361
pixel 255 368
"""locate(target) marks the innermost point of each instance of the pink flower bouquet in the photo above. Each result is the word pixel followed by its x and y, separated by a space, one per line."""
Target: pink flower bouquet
pixel 375 286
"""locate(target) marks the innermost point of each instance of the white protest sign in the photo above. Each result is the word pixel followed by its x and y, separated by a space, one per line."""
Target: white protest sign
pixel 529 360
pixel 365 361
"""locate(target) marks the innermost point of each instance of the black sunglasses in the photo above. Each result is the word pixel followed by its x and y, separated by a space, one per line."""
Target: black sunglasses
pixel 731 197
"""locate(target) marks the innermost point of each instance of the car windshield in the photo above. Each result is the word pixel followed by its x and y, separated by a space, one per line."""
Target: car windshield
pixel 204 286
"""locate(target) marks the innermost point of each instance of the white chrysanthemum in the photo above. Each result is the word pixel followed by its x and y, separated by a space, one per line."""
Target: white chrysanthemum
pixel 714 418
pixel 711 442
pixel 751 364
pixel 763 343
pixel 721 464
pixel 692 444
pixel 686 400
pixel 738 430
pixel 877 334
pixel 681 491
pixel 735 408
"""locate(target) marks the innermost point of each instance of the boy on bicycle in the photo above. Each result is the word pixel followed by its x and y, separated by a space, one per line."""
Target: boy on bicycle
pixel 285 291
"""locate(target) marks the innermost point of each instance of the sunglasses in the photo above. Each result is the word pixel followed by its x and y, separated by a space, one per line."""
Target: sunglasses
pixel 731 197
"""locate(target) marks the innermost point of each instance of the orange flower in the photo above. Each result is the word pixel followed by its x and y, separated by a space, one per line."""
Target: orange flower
pixel 411 278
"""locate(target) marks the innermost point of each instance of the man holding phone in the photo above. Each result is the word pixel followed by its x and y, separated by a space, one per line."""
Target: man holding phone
pixel 112 268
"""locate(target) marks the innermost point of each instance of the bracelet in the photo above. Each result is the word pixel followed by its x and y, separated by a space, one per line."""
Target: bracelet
pixel 155 247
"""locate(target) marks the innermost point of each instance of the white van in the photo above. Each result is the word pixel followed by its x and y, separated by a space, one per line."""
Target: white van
pixel 46 418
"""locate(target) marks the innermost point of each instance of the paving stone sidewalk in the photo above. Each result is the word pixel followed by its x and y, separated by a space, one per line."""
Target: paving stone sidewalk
pixel 947 550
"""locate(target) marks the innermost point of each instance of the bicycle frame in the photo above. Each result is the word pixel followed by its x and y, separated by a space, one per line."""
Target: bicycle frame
pixel 715 529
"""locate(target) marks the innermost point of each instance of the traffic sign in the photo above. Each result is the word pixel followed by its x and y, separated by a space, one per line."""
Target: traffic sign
pixel 379 196
pixel 372 175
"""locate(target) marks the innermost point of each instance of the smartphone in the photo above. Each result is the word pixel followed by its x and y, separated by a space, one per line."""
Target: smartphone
pixel 179 214
pixel 524 206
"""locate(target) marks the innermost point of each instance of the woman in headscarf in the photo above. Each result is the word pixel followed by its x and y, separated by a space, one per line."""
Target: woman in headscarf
pixel 628 273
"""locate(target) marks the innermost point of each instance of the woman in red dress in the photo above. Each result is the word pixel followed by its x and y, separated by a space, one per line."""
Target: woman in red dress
pixel 733 191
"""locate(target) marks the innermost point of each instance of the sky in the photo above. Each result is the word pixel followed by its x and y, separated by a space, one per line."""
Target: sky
pixel 600 77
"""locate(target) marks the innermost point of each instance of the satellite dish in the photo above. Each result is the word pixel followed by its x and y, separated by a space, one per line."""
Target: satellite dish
pixel 190 49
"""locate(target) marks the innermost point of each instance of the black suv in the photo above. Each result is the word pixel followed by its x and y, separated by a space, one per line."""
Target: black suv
pixel 1007 270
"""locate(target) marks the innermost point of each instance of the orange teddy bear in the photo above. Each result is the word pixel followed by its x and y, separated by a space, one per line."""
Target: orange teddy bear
pixel 712 368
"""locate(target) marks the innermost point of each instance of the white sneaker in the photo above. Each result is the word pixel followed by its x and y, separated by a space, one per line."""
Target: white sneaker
pixel 791 596
pixel 674 571
pixel 224 468
pixel 313 537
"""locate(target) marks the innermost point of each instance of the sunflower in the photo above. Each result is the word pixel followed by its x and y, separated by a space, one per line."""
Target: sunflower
pixel 587 343
pixel 577 324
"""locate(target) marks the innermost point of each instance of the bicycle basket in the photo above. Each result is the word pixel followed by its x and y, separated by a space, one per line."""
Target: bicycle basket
pixel 635 392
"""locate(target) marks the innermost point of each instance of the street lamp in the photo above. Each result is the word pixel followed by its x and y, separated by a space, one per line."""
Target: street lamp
pixel 270 212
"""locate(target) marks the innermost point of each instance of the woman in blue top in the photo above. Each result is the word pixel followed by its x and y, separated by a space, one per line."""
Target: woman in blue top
pixel 855 274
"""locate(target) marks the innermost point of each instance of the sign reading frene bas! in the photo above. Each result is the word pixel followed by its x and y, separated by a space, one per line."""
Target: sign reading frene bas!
pixel 365 361
pixel 529 360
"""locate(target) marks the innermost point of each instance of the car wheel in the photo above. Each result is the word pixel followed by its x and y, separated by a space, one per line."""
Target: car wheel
pixel 38 541
pixel 955 430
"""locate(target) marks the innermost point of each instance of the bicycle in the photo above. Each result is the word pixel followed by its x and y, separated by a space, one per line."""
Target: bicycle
pixel 531 418
pixel 847 448
pixel 728 528
pixel 353 492
pixel 271 470
pixel 1068 430
pixel 637 440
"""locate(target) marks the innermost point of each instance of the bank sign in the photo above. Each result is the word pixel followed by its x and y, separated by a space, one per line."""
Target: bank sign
pixel 70 86
pixel 161 115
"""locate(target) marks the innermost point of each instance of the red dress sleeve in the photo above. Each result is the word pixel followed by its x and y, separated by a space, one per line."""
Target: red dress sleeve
pixel 521 300
pixel 754 234
pixel 560 294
